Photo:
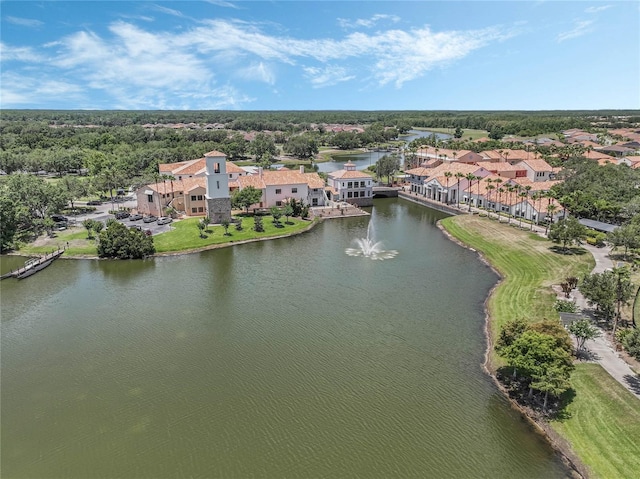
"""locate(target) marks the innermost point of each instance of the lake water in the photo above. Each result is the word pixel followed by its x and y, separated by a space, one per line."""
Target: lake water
pixel 285 358
pixel 365 159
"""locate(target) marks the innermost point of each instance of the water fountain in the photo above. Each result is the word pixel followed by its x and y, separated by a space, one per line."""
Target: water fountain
pixel 369 248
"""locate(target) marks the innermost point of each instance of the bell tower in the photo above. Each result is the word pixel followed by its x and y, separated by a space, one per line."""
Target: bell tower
pixel 217 195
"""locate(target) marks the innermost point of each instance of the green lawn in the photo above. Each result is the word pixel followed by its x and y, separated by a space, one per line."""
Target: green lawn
pixel 604 427
pixel 184 235
pixel 528 267
pixel 76 236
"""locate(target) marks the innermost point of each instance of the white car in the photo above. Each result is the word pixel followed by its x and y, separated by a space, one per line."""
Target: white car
pixel 163 220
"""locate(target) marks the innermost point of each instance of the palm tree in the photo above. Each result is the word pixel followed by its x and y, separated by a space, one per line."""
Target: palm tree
pixel 510 190
pixel 523 195
pixel 551 208
pixel 500 191
pixel 447 175
pixel 527 189
pixel 470 177
pixel 534 197
pixel 478 185
pixel 490 188
pixel 458 175
pixel 498 182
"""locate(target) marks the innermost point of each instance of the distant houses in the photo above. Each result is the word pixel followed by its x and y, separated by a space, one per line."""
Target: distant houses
pixel 512 181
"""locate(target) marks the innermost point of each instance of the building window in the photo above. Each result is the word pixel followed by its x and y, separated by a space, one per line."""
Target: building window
pixel 350 184
pixel 278 191
pixel 362 184
pixel 199 197
pixel 150 198
pixel 193 197
pixel 216 167
pixel 278 203
pixel 218 184
pixel 194 210
pixel 314 201
pixel 200 209
pixel 349 194
pixel 294 190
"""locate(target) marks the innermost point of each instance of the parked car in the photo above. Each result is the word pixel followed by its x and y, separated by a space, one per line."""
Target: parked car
pixel 59 218
pixel 94 203
pixel 149 219
pixel 135 217
pixel 164 220
pixel 136 227
pixel 120 215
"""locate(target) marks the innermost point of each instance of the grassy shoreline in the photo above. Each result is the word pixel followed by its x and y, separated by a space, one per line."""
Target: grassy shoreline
pixel 182 239
pixel 595 430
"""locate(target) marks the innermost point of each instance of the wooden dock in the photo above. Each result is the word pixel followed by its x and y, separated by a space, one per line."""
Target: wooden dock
pixel 33 265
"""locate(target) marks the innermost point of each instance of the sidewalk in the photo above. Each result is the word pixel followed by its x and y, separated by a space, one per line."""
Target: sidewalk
pixel 600 349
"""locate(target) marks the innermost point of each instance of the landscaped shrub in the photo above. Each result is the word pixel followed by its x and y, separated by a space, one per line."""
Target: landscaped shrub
pixel 631 342
pixel 563 306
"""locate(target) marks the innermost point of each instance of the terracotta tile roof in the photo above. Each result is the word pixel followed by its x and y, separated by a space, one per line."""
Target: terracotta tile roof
pixel 186 185
pixel 251 180
pixel 633 158
pixel 314 180
pixel 348 174
pixel 537 165
pixel 215 153
pixel 420 171
pixel 498 166
pixel 192 167
pixel 596 155
pixel 492 155
pixel 233 168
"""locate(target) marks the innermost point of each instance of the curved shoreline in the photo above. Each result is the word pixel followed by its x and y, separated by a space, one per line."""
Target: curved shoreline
pixel 539 426
pixel 312 224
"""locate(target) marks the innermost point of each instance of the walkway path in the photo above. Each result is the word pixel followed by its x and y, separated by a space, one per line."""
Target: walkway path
pixel 600 349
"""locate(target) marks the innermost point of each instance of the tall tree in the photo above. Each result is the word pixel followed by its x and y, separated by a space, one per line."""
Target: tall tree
pixel 567 231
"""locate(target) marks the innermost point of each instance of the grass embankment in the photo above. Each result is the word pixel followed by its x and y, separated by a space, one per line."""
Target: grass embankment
pixel 184 235
pixel 525 262
pixel 603 423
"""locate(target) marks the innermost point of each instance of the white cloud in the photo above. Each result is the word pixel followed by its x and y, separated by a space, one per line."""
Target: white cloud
pixel 169 11
pixel 25 22
pixel 367 22
pixel 258 72
pixel 581 27
pixel 19 89
pixel 597 9
pixel 327 76
pixel 22 54
pixel 222 3
pixel 139 68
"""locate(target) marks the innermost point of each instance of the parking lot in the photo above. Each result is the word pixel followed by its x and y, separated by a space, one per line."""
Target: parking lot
pixel 101 214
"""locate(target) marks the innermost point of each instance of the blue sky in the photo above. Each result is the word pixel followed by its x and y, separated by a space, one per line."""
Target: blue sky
pixel 324 55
